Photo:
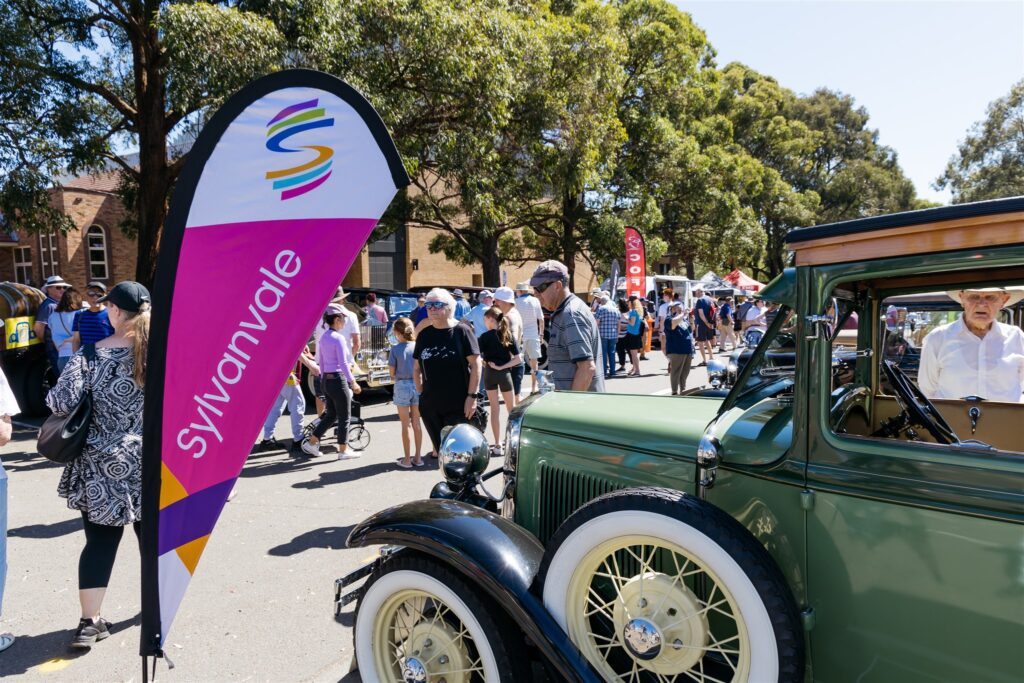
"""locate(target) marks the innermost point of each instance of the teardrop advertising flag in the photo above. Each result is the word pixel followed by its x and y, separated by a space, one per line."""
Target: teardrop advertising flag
pixel 636 263
pixel 276 200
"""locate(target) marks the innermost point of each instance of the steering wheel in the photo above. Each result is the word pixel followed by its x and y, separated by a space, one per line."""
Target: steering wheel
pixel 916 405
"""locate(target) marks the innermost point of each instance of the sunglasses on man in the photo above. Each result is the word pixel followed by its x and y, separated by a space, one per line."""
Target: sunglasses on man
pixel 541 287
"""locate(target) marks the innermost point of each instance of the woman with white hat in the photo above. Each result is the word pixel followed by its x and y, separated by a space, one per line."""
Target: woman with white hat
pixel 976 355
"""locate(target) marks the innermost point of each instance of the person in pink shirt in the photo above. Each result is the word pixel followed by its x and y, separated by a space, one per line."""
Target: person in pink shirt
pixel 375 313
pixel 336 378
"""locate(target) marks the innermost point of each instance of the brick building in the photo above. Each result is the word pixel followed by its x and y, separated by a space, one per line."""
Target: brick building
pixel 404 260
pixel 97 249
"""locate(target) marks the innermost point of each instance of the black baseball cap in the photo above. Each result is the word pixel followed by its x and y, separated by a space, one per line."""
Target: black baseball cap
pixel 128 295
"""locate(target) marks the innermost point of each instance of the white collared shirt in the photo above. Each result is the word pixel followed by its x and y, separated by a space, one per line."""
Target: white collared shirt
pixel 956 363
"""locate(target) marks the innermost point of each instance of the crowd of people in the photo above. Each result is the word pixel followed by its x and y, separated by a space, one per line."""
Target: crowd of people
pixel 451 362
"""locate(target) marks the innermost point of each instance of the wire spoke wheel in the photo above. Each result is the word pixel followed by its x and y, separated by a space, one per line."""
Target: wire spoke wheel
pixel 648 610
pixel 654 586
pixel 419 622
pixel 419 638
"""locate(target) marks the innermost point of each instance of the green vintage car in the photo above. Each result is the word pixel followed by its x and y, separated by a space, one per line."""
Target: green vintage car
pixel 810 525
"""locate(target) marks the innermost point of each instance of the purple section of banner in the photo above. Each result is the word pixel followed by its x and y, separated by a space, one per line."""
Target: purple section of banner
pixel 288 111
pixel 192 517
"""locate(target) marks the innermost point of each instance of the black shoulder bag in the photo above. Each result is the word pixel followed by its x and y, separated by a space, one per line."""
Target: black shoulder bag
pixel 62 438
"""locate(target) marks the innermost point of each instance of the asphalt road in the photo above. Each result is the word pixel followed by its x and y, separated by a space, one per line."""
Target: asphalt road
pixel 260 606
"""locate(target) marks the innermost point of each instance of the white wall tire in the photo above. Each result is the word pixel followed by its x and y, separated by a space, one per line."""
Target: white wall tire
pixel 465 640
pixel 743 629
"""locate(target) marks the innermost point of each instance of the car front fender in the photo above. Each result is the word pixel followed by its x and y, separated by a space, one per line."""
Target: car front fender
pixel 492 552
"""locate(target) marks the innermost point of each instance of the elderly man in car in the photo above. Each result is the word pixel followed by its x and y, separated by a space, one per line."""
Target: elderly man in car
pixel 976 355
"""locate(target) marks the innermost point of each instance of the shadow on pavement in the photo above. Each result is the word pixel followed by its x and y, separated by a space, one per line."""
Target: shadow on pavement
pixel 289 464
pixel 328 538
pixel 27 461
pixel 68 526
pixel 343 476
pixel 30 651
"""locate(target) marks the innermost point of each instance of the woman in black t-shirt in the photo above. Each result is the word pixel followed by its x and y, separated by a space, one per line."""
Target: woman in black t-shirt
pixel 447 372
pixel 501 354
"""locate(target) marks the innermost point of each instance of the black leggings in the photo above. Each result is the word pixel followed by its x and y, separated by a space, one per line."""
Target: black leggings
pixel 436 418
pixel 620 349
pixel 338 408
pixel 97 559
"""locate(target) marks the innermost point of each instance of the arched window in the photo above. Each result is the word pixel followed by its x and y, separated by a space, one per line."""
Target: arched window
pixel 96 245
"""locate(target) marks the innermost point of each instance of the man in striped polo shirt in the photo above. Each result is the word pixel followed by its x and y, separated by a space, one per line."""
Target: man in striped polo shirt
pixel 92 324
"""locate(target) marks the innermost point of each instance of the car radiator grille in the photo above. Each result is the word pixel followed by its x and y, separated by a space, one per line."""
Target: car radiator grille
pixel 562 492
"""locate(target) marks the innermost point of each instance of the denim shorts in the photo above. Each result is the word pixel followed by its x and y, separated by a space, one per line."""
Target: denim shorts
pixel 405 393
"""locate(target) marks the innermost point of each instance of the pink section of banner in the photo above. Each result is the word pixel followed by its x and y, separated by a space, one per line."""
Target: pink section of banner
pixel 247 298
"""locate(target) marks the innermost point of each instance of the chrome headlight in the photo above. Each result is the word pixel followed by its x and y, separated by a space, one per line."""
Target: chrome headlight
pixel 464 453
pixel 707 451
pixel 717 373
pixel 381 357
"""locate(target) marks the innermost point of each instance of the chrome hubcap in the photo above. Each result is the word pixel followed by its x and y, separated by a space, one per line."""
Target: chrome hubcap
pixel 413 671
pixel 642 638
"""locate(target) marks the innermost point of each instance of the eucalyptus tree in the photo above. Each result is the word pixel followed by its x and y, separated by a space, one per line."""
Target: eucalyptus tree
pixel 989 162
pixel 85 79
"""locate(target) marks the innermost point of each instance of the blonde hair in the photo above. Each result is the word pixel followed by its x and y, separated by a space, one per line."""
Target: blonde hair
pixel 404 329
pixel 140 338
pixel 503 326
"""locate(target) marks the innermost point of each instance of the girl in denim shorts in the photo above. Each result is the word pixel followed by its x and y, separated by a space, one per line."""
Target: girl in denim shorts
pixel 407 399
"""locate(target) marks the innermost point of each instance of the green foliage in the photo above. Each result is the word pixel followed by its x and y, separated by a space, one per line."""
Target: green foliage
pixel 84 78
pixel 531 129
pixel 989 163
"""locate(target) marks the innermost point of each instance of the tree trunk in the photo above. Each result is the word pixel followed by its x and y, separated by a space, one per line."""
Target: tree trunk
pixel 491 263
pixel 572 206
pixel 154 174
pixel 690 268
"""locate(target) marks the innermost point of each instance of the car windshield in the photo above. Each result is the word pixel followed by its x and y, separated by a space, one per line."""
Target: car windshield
pixel 400 305
pixel 773 360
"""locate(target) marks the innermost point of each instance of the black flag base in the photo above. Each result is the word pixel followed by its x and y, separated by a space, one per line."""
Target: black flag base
pixel 146 677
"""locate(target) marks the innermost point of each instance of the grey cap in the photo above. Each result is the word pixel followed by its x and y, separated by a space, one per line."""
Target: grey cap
pixel 456 292
pixel 96 284
pixel 549 271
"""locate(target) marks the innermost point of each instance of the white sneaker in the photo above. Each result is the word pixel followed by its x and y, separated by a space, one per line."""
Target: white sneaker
pixel 310 448
pixel 349 455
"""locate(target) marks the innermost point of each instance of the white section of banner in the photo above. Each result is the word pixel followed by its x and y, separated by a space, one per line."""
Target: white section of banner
pixel 234 187
pixel 174 578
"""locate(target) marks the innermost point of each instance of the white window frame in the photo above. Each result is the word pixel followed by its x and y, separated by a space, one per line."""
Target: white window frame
pixel 48 254
pixel 22 257
pixel 90 250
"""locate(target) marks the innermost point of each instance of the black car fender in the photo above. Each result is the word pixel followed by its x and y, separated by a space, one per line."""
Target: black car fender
pixel 492 552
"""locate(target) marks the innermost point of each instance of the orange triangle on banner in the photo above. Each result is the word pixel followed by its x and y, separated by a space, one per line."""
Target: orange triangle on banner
pixel 171 490
pixel 190 552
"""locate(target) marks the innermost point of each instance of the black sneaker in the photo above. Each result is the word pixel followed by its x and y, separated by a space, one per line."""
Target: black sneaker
pixel 90 631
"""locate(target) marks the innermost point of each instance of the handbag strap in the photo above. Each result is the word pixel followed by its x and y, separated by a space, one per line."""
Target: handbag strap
pixel 89 352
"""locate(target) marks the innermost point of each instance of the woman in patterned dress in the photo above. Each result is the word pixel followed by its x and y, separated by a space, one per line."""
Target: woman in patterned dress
pixel 105 482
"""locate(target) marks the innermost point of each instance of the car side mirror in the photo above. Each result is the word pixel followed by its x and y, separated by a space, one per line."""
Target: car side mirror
pixel 816 322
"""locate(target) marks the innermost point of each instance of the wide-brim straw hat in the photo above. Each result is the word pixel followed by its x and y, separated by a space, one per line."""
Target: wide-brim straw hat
pixel 1016 293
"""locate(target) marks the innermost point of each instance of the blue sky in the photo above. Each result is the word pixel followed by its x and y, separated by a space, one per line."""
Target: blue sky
pixel 925 70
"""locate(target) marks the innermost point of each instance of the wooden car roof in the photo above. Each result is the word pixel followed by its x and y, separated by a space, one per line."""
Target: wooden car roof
pixel 961 226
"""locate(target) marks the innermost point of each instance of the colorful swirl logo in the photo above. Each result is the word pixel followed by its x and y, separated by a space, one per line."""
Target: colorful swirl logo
pixel 292 120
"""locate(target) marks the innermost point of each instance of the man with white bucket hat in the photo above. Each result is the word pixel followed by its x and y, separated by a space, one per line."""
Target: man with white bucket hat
pixel 976 355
